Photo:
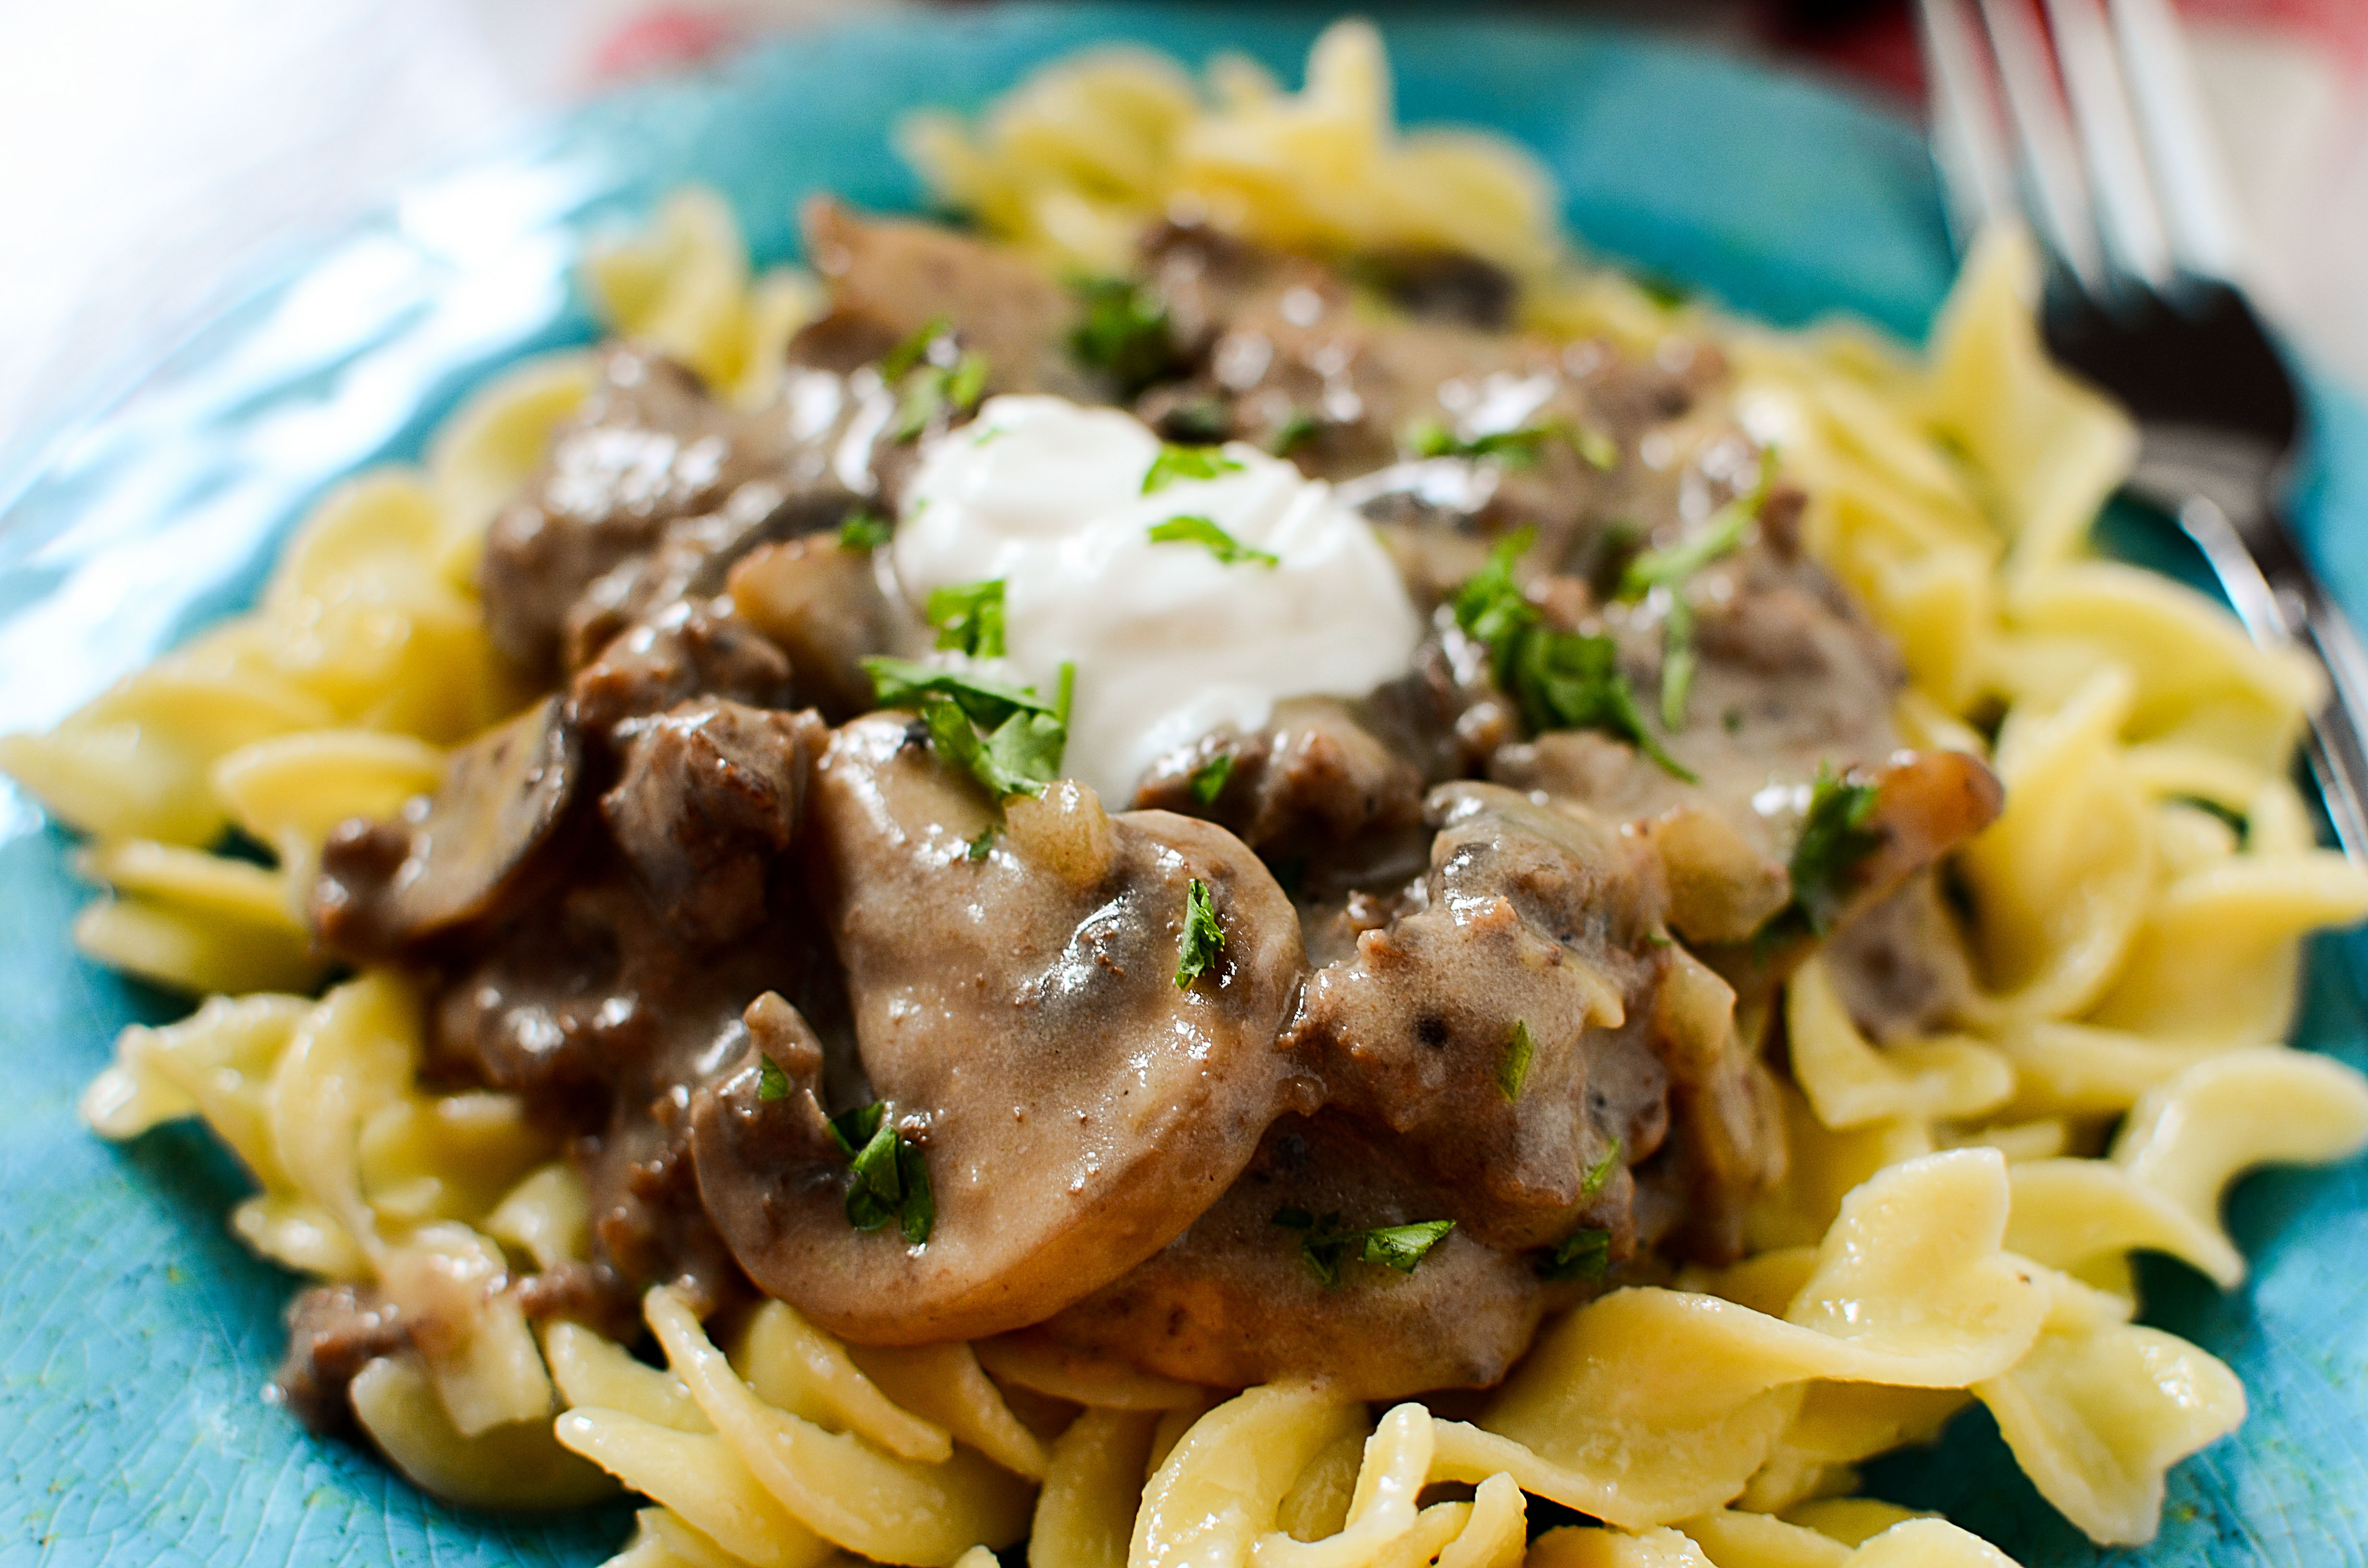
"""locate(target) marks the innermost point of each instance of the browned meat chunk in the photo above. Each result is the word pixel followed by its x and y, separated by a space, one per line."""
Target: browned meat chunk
pixel 648 447
pixel 890 278
pixel 334 1330
pixel 686 650
pixel 1023 1024
pixel 1288 356
pixel 1313 776
pixel 464 856
pixel 1506 1030
pixel 1233 1301
pixel 709 794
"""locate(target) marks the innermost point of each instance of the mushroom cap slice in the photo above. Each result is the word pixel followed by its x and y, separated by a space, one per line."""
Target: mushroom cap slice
pixel 1019 1016
pixel 459 857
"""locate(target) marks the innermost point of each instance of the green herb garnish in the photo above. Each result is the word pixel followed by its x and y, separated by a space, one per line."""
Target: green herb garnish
pixel 934 380
pixel 938 389
pixel 772 1083
pixel 1582 1254
pixel 1677 660
pixel 1203 937
pixel 1123 334
pixel 915 348
pixel 1513 1068
pixel 1514 449
pixel 902 683
pixel 1019 757
pixel 1594 447
pixel 1006 737
pixel 1208 778
pixel 969 618
pixel 1203 422
pixel 1293 432
pixel 889 1174
pixel 1326 1246
pixel 1204 532
pixel 1560 680
pixel 1672 567
pixel 1721 534
pixel 864 529
pixel 1174 462
pixel 981 846
pixel 1599 1173
pixel 1833 840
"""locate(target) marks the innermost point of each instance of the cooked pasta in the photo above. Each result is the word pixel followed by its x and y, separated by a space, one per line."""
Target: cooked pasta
pixel 1955 1209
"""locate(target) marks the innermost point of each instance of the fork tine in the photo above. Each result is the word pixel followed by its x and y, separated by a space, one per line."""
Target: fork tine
pixel 2201 226
pixel 2118 177
pixel 2035 104
pixel 1969 139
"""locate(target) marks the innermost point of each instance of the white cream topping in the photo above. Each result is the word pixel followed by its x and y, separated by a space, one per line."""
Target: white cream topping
pixel 1169 641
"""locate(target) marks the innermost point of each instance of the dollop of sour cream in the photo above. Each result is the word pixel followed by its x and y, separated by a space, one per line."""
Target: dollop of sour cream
pixel 1170 643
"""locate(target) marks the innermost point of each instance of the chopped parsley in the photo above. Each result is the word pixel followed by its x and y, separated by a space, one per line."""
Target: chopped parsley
pixel 1833 840
pixel 1669 569
pixel 935 379
pixel 889 1174
pixel 1677 660
pixel 981 846
pixel 1598 1174
pixel 938 389
pixel 1560 680
pixel 1724 532
pixel 864 529
pixel 1006 737
pixel 1293 432
pixel 1513 1068
pixel 1199 422
pixel 1204 532
pixel 969 618
pixel 1582 1254
pixel 1174 462
pixel 914 349
pixel 1209 780
pixel 1326 1246
pixel 1203 937
pixel 1123 334
pixel 772 1083
pixel 1515 449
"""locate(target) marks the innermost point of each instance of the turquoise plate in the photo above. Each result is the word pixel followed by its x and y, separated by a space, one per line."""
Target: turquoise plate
pixel 136 1336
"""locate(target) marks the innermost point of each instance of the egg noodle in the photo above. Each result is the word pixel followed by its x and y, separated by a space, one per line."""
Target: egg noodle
pixel 1960 1211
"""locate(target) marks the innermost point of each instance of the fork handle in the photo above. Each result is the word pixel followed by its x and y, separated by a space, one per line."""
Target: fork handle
pixel 2282 605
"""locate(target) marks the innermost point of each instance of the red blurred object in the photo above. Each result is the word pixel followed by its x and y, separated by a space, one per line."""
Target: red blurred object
pixel 664 37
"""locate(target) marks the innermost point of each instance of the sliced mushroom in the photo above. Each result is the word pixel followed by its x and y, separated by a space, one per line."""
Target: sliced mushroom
pixel 461 856
pixel 1074 1105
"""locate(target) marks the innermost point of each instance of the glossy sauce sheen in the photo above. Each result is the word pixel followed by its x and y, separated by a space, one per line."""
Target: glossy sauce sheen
pixel 706 856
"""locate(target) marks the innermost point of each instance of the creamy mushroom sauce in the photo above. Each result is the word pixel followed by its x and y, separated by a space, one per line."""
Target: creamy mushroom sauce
pixel 1508 986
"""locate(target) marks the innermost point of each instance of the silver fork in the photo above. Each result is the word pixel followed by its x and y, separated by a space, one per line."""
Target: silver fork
pixel 2091 126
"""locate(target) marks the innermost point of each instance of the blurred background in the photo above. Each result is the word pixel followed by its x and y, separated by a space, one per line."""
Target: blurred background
pixel 154 155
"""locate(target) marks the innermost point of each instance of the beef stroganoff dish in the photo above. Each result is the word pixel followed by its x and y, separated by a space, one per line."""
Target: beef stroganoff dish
pixel 1222 863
